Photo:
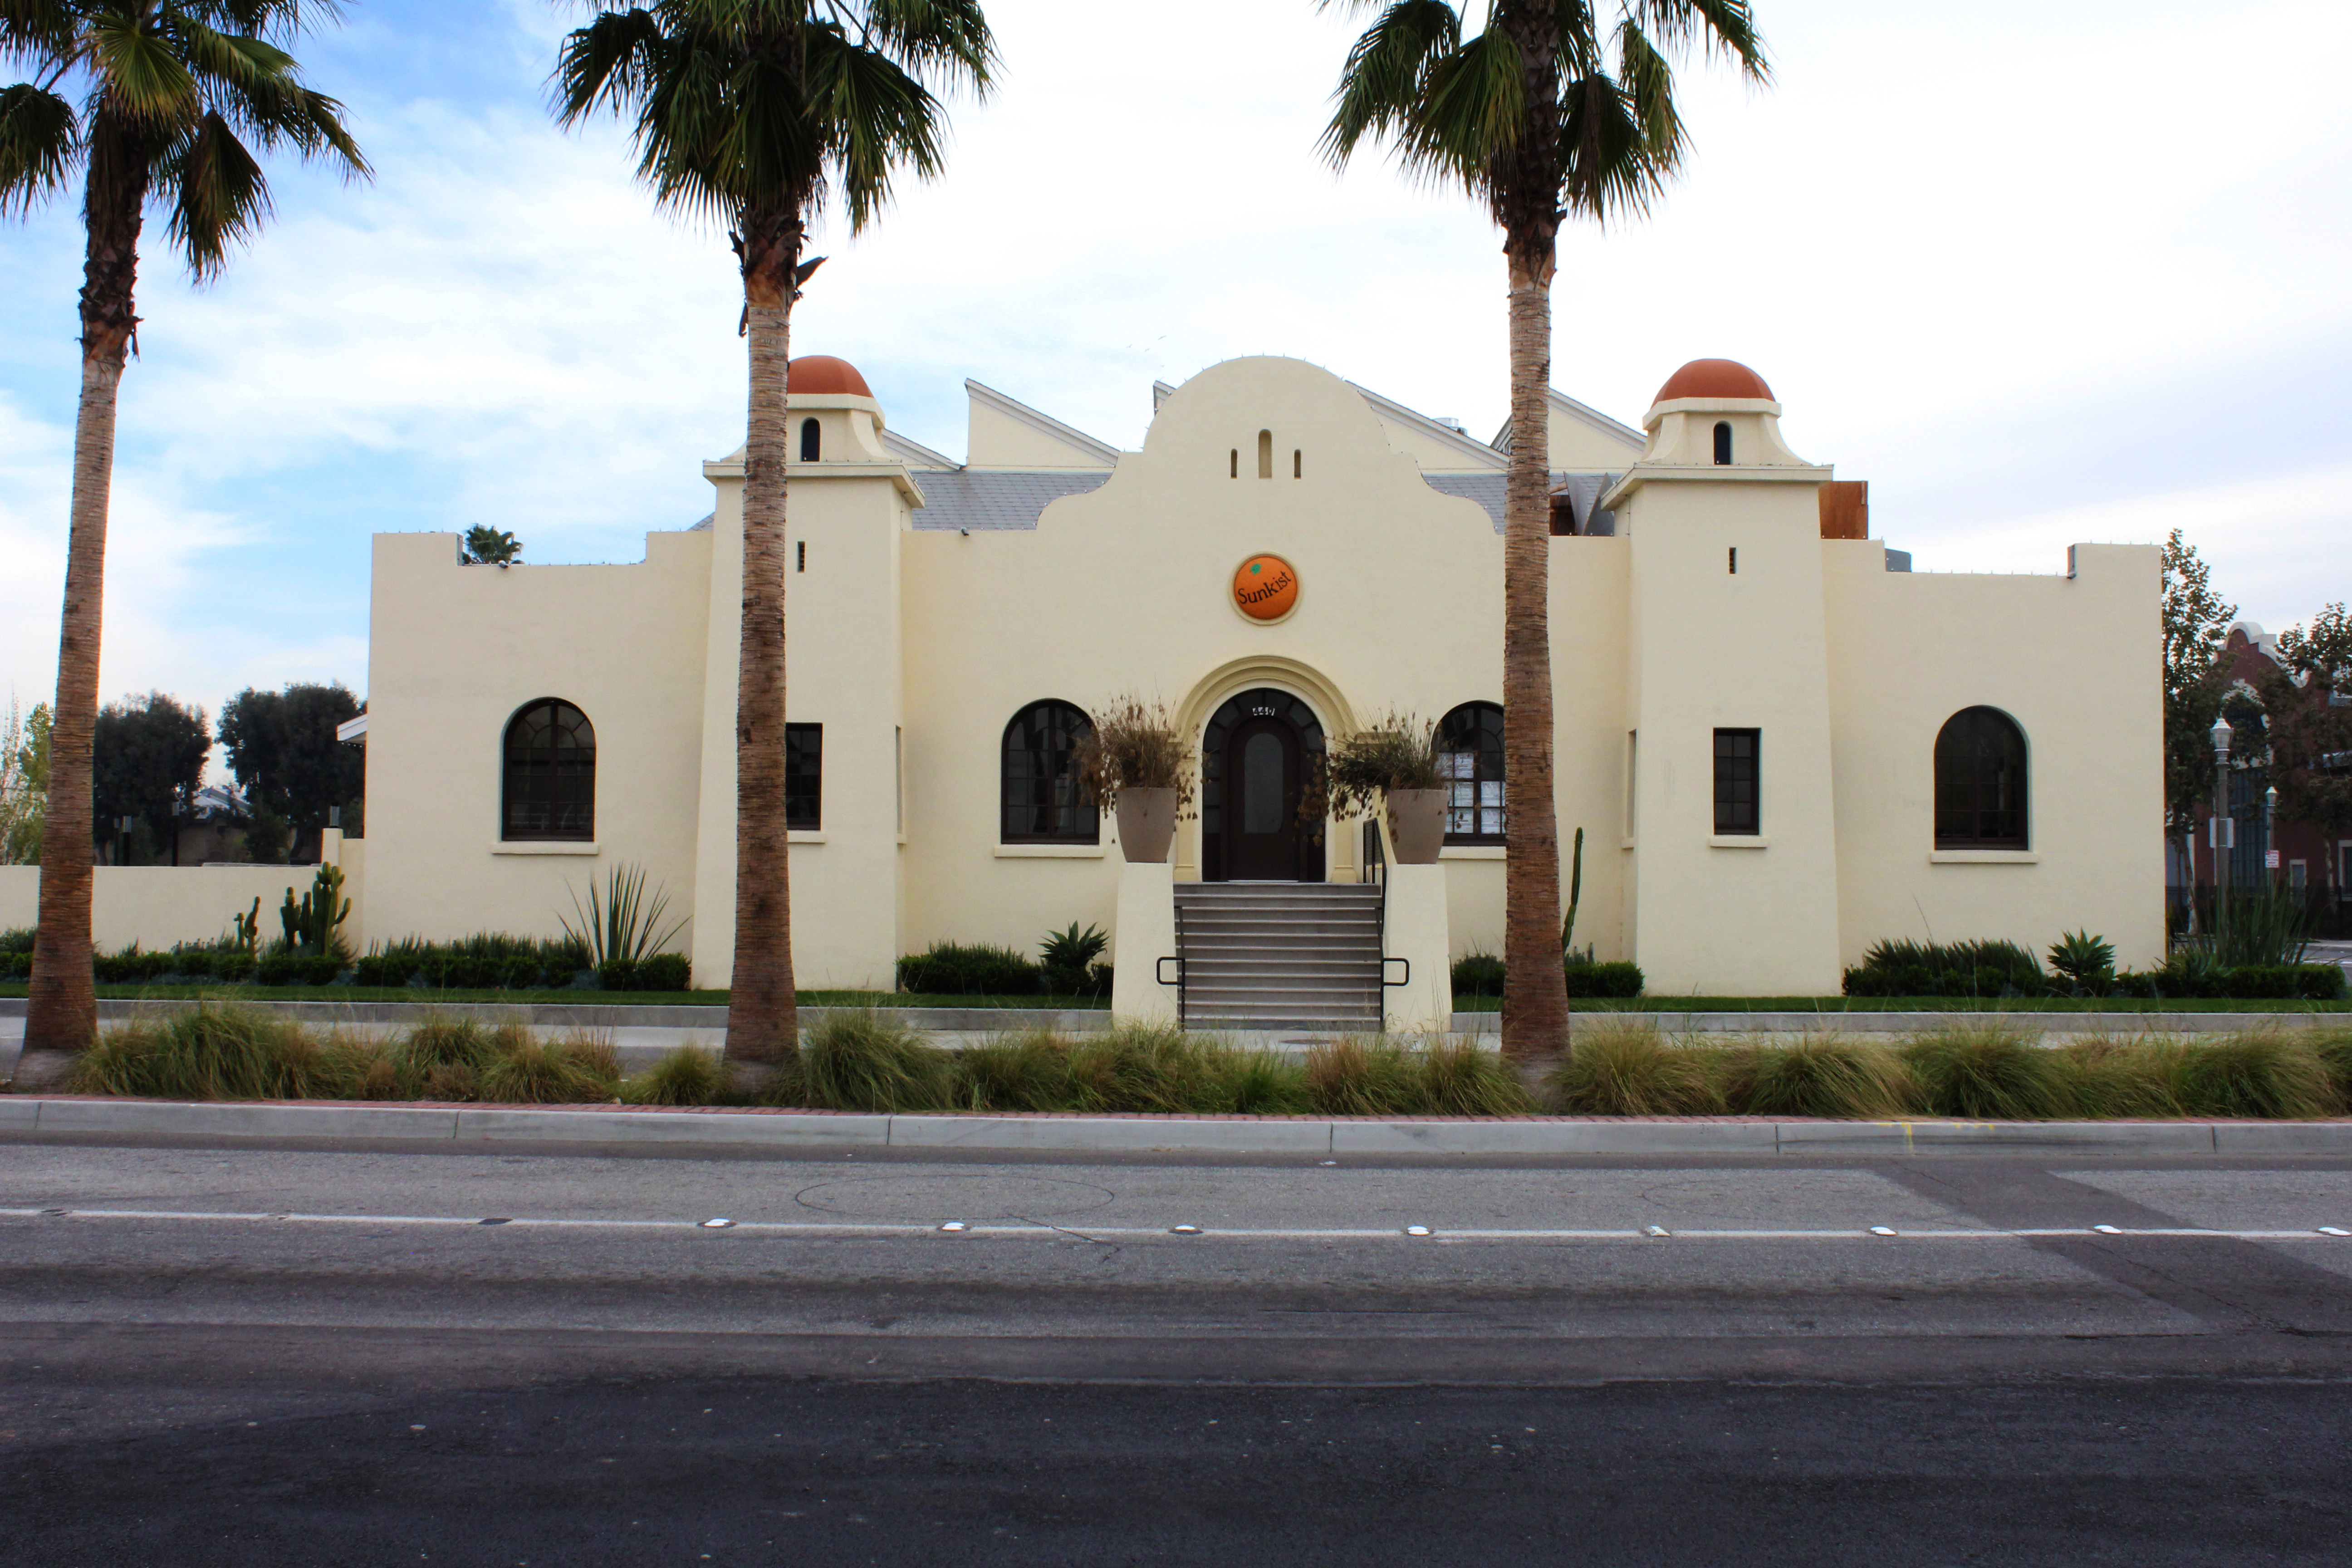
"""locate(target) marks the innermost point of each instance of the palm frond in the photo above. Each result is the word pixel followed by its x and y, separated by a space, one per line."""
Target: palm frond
pixel 1382 88
pixel 883 119
pixel 217 193
pixel 946 42
pixel 40 144
pixel 39 32
pixel 1724 29
pixel 140 76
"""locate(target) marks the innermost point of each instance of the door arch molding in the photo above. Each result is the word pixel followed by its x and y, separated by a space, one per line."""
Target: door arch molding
pixel 1229 681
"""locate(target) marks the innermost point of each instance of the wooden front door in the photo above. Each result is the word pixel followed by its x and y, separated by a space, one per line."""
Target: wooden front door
pixel 1261 780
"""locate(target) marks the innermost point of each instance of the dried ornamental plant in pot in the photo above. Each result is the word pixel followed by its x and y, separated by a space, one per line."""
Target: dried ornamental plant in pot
pixel 1136 762
pixel 1394 762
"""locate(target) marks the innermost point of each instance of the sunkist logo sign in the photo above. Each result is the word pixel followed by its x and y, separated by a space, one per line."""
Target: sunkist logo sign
pixel 1266 588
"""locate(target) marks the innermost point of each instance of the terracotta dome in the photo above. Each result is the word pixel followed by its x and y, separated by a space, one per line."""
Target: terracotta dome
pixel 824 377
pixel 1713 378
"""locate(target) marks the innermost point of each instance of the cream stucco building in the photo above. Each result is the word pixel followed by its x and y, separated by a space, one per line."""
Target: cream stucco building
pixel 1779 749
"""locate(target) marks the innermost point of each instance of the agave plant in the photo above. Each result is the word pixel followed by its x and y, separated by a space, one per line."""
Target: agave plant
pixel 619 920
pixel 2082 957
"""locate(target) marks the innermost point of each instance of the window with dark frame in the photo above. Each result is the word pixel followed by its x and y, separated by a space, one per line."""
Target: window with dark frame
pixel 804 778
pixel 1470 759
pixel 1042 799
pixel 1980 781
pixel 811 440
pixel 1723 442
pixel 1737 783
pixel 550 790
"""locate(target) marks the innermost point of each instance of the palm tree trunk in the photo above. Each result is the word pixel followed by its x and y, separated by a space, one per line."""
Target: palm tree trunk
pixel 62 1011
pixel 1534 992
pixel 763 1017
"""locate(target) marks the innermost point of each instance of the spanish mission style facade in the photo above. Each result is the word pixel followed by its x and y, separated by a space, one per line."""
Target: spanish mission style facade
pixel 1779 742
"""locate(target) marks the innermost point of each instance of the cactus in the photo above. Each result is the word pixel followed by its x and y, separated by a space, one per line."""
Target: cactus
pixel 249 929
pixel 1575 892
pixel 310 924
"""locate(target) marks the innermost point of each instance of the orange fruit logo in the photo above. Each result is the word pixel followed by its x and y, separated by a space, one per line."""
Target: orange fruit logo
pixel 1266 588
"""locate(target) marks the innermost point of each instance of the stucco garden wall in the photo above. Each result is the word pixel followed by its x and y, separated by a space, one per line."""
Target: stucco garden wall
pixel 158 906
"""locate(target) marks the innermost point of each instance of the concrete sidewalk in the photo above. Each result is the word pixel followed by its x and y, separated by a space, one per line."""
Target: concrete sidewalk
pixel 487 1126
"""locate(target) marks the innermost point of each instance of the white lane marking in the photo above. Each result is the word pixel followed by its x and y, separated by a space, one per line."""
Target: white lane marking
pixel 820 1229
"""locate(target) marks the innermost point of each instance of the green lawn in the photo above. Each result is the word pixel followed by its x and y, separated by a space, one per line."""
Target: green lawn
pixel 1919 1004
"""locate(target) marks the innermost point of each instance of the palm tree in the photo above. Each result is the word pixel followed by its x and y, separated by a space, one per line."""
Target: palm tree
pixel 151 102
pixel 1540 116
pixel 751 112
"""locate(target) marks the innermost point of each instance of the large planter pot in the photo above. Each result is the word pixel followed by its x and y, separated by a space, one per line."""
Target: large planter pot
pixel 1416 825
pixel 1147 824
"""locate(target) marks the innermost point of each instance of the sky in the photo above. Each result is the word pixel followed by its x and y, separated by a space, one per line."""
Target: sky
pixel 2053 273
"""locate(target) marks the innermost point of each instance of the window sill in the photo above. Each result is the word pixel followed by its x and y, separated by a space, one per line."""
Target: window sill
pixel 803 836
pixel 544 847
pixel 1983 858
pixel 1471 852
pixel 1049 851
pixel 1737 841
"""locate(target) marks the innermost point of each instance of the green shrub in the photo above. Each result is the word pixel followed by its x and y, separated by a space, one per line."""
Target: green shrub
pixel 2085 959
pixel 864 1059
pixel 1478 973
pixel 617 974
pixel 1907 968
pixel 1614 979
pixel 1819 1076
pixel 1990 1072
pixel 1357 1077
pixel 664 972
pixel 951 969
pixel 1459 1078
pixel 1629 1069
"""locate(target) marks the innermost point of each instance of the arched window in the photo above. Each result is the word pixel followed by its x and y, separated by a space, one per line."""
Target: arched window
pixel 1043 801
pixel 1470 755
pixel 812 441
pixel 551 774
pixel 1723 440
pixel 1981 796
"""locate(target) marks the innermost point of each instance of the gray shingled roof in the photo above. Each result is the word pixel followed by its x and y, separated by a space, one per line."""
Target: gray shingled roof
pixel 999 501
pixel 1487 490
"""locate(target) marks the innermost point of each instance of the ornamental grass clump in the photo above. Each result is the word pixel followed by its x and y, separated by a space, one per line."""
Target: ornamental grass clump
pixel 1458 1079
pixel 1630 1069
pixel 1359 1077
pixel 687 1075
pixel 2261 1073
pixel 207 1053
pixel 1821 1075
pixel 866 1059
pixel 1026 1072
pixel 574 1068
pixel 1990 1072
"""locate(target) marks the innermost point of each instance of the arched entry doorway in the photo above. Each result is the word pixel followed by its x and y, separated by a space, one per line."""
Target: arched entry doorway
pixel 1256 754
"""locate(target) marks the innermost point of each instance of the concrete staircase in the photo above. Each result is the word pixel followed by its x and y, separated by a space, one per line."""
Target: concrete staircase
pixel 1279 955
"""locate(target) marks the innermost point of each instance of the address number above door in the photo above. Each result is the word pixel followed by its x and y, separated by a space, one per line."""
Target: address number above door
pixel 1266 588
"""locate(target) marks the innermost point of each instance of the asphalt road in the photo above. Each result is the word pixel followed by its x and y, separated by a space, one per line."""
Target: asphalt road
pixel 266 1356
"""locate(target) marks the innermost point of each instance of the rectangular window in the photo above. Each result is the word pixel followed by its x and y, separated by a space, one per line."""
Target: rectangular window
pixel 1735 781
pixel 2298 876
pixel 804 777
pixel 1633 775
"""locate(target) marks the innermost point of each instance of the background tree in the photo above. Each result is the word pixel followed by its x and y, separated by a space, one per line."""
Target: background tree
pixel 2195 630
pixel 1545 114
pixel 24 782
pixel 751 112
pixel 2308 704
pixel 147 761
pixel 152 103
pixel 282 749
pixel 487 546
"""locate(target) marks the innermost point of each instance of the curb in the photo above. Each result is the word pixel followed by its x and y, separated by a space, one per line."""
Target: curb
pixel 512 1126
